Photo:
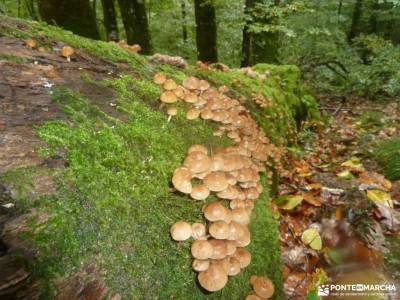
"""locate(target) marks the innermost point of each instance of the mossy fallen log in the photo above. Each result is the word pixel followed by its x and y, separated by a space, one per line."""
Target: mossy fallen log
pixel 110 204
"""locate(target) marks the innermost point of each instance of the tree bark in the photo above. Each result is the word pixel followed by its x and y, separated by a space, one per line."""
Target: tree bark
pixel 259 47
pixel 136 25
pixel 206 31
pixel 355 23
pixel 184 28
pixel 74 15
pixel 110 20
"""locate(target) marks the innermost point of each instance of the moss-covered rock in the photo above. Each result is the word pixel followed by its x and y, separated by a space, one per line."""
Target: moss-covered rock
pixel 113 205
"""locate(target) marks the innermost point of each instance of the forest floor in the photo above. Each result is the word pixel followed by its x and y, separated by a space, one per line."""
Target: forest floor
pixel 339 215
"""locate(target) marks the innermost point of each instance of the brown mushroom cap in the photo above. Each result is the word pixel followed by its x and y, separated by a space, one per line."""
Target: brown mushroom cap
pixel 237 203
pixel 219 230
pixel 243 256
pixel 199 148
pixel 252 297
pixel 215 212
pixel 229 193
pixel 240 215
pixel 202 249
pixel 192 114
pixel 219 249
pixel 206 113
pixel 234 266
pixel 236 231
pixel 203 85
pixel 181 179
pixel 197 162
pixel 216 181
pixel 214 278
pixel 245 239
pixel 262 286
pixel 230 247
pixel 168 97
pixel 224 263
pixel 170 85
pixel 181 231
pixel 200 192
pixel 67 51
pixel 180 92
pixel 191 98
pixel 172 111
pixel 190 83
pixel 30 43
pixel 200 265
pixel 159 78
pixel 198 230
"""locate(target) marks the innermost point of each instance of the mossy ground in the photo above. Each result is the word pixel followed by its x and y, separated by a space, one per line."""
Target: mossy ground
pixel 114 206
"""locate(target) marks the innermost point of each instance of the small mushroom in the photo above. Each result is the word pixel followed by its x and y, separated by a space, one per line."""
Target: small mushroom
pixel 191 83
pixel 263 286
pixel 172 111
pixel 240 215
pixel 203 85
pixel 191 98
pixel 199 148
pixel 198 231
pixel 216 181
pixel 215 212
pixel 236 231
pixel 168 97
pixel 202 249
pixel 219 230
pixel 192 114
pixel 159 78
pixel 170 85
pixel 200 265
pixel 213 279
pixel 181 231
pixel 234 266
pixel 197 162
pixel 219 249
pixel 181 179
pixel 30 43
pixel 252 297
pixel 67 52
pixel 200 192
pixel 180 92
pixel 243 256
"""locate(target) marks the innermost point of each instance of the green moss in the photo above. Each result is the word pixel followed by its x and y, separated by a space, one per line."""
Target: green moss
pixel 388 154
pixel 20 180
pixel 13 58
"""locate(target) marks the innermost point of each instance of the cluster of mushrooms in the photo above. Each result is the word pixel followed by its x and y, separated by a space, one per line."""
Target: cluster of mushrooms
pixel 230 174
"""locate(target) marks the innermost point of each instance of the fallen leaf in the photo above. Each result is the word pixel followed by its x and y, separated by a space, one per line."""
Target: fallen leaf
pixel 289 202
pixel 311 199
pixel 345 175
pixel 312 238
pixel 381 197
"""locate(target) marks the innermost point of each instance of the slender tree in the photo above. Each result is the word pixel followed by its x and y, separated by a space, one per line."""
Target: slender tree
pixel 355 22
pixel 184 28
pixel 206 31
pixel 259 47
pixel 136 24
pixel 74 15
pixel 110 20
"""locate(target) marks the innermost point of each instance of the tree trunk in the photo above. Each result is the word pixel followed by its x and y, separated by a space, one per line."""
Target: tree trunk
pixel 259 47
pixel 339 11
pixel 74 15
pixel 355 23
pixel 110 20
pixel 184 28
pixel 136 24
pixel 206 31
